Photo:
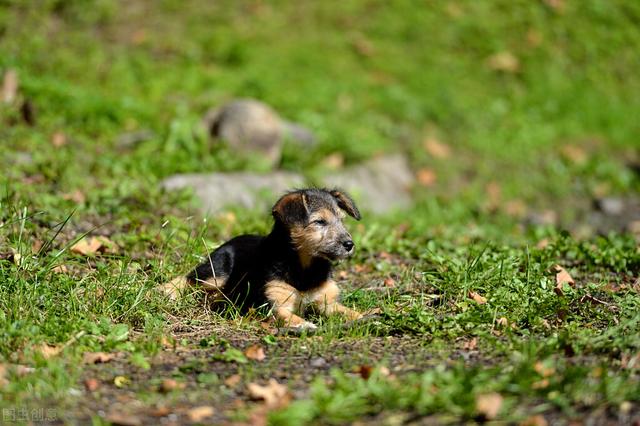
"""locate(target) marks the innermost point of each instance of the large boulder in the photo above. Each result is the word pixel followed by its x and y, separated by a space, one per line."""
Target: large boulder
pixel 251 126
pixel 379 185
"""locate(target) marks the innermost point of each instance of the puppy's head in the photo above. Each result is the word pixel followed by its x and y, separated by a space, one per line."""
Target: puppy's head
pixel 313 218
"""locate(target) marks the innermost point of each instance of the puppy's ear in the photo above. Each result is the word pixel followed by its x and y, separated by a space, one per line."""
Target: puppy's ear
pixel 346 203
pixel 291 208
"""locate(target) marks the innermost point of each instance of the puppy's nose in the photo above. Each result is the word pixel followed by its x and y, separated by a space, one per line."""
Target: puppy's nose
pixel 348 245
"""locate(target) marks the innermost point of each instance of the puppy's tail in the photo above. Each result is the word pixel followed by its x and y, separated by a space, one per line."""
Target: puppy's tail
pixel 175 287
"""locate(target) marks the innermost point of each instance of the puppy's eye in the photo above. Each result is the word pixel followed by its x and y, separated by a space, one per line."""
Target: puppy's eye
pixel 320 222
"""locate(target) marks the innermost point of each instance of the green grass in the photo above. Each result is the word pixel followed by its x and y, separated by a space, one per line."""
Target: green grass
pixel 367 77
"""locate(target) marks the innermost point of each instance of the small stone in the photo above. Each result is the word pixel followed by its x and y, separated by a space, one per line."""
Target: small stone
pixel 318 362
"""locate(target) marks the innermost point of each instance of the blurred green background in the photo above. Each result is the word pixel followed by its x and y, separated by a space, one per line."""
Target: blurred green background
pixel 538 95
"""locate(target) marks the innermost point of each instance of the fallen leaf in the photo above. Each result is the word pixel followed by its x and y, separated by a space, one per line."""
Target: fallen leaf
pixel 365 371
pixel 515 208
pixel 97 357
pixel 160 411
pixel 255 352
pixel 575 154
pixel 534 37
pixel 504 61
pixel 537 420
pixel 36 246
pixel 87 246
pixel 502 322
pixel 488 405
pixel 122 419
pixel 90 246
pixel 556 5
pixel 333 161
pixel 198 414
pixel 168 385
pixel 543 370
pixel 470 344
pixel 47 351
pixel 362 45
pixel 436 148
pixel 542 244
pixel 76 196
pixel 540 384
pixel 480 300
pixel 494 194
pixel 389 282
pixel 58 139
pixel 60 269
pixel 233 380
pixel 9 86
pixel 562 278
pixel 91 384
pixel 426 177
pixel 273 394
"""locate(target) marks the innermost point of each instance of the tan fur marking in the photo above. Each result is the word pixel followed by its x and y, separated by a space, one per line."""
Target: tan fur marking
pixel 326 299
pixel 212 283
pixel 173 288
pixel 286 301
pixel 306 240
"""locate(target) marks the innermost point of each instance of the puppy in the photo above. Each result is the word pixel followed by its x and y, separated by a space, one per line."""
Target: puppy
pixel 290 268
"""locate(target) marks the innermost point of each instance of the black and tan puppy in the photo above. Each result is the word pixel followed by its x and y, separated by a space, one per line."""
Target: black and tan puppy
pixel 291 267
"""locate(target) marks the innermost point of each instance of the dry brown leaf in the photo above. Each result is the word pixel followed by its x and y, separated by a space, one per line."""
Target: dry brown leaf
pixel 562 278
pixel 198 414
pixel 76 196
pixel 365 371
pixel 488 405
pixel 470 344
pixel 543 243
pixel 574 154
pixel 504 61
pixel 273 394
pixel 540 384
pixel 543 370
pixel 9 86
pixel 436 148
pixel 97 357
pixel 87 246
pixel 123 419
pixel 480 300
pixel 502 322
pixel 556 5
pixel 233 380
pixel 36 246
pixel 426 177
pixel 91 384
pixel 494 194
pixel 58 139
pixel 168 385
pixel 333 161
pixel 47 351
pixel 60 269
pixel 255 352
pixel 515 208
pixel 537 420
pixel 534 37
pixel 389 282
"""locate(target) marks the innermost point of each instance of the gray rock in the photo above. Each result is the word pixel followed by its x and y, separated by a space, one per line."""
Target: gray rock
pixel 219 190
pixel 379 185
pixel 248 125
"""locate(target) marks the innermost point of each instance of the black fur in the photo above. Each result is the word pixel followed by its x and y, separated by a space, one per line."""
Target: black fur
pixel 248 262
